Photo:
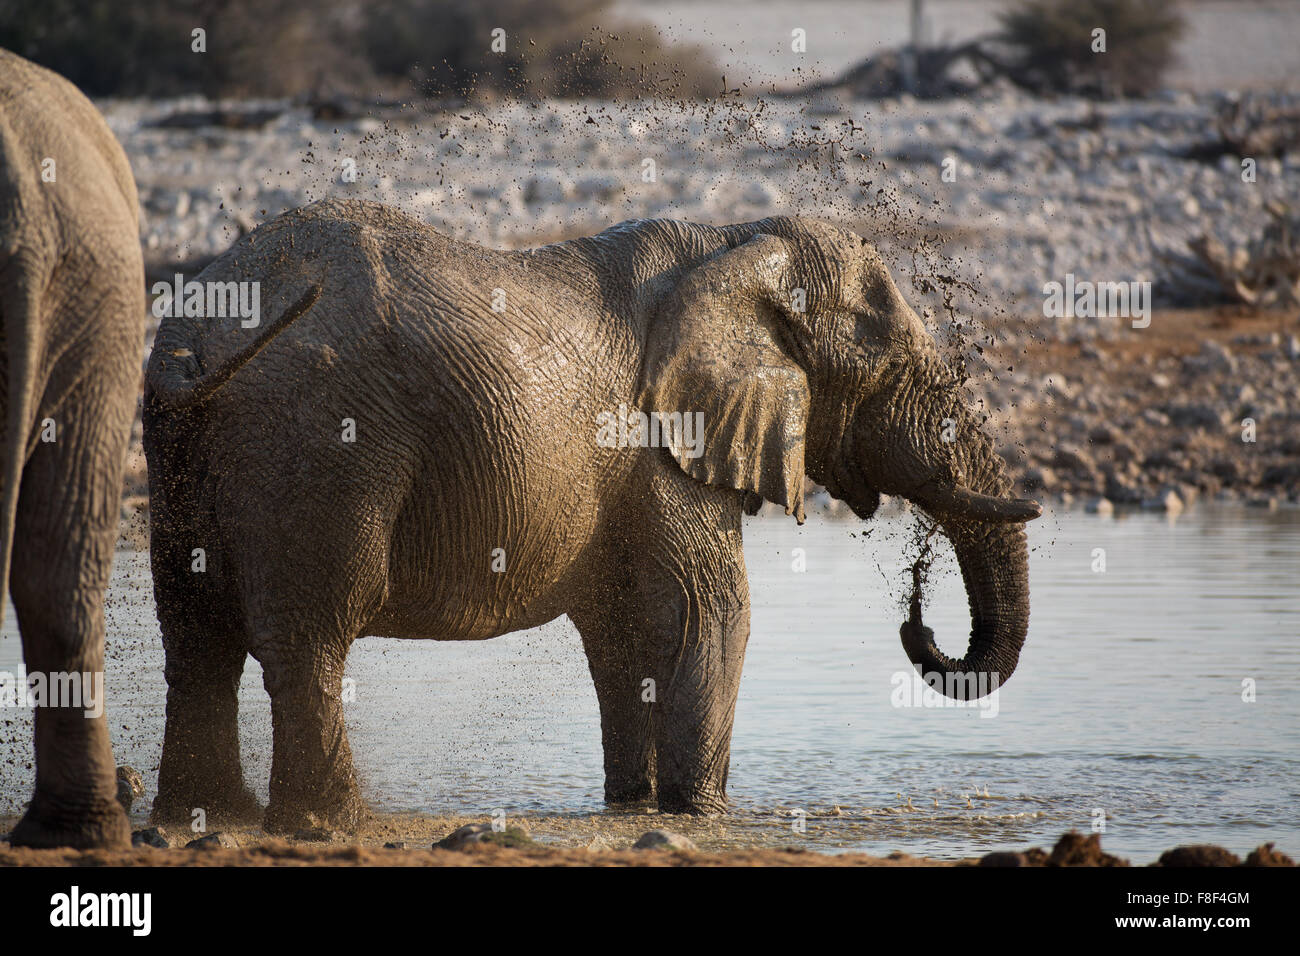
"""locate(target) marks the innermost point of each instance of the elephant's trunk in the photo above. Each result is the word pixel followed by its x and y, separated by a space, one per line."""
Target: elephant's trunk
pixel 963 484
pixel 995 567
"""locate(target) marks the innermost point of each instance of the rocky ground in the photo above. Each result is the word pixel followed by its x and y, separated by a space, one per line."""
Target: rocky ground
pixel 1201 404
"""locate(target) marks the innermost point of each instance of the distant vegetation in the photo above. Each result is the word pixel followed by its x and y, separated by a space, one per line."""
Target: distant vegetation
pixel 1050 44
pixel 322 47
pixel 560 48
pixel 1100 48
pixel 565 48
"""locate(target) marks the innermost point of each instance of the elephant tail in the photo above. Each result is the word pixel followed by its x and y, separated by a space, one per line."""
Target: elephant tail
pixel 20 312
pixel 177 378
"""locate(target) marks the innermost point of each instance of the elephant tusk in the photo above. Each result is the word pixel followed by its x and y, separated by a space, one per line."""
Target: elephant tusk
pixel 963 502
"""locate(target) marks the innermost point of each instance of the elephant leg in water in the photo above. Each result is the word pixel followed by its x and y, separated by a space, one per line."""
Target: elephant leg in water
pixel 206 653
pixel 302 648
pixel 666 653
pixel 60 569
pixel 207 642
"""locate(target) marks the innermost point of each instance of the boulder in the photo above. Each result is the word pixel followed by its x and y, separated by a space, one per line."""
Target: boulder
pixel 1074 459
pixel 1035 479
pixel 1075 849
pixel 1196 415
pixel 152 836
pixel 475 833
pixel 214 841
pixel 1265 855
pixel 1201 854
pixel 1167 500
pixel 664 840
pixel 1099 506
pixel 130 787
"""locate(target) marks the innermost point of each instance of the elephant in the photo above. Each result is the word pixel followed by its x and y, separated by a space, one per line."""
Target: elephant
pixel 72 314
pixel 433 440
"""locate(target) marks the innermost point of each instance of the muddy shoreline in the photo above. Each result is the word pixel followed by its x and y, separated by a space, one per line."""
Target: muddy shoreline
pixel 570 840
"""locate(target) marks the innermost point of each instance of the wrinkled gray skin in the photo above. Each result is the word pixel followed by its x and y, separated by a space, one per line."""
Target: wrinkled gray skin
pixel 476 430
pixel 72 316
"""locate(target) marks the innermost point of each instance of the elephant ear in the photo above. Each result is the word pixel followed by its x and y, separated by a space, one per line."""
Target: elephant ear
pixel 715 348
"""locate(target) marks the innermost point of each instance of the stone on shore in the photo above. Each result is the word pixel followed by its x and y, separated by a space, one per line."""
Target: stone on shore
pixel 130 787
pixel 151 836
pixel 483 833
pixel 664 840
pixel 214 841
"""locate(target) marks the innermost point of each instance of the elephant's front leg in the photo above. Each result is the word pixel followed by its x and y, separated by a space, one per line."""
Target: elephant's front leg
pixel 615 642
pixel 313 783
pixel 684 601
pixel 698 665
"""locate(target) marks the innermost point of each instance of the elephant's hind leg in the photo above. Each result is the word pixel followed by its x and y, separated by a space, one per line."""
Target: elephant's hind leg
pixel 303 612
pixel 313 783
pixel 206 650
pixel 201 768
pixel 66 531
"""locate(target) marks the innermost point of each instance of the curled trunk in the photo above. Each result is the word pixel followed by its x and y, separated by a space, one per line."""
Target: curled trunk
pixel 965 487
pixel 994 564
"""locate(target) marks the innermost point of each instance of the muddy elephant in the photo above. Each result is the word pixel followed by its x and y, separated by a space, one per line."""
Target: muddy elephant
pixel 72 316
pixel 427 439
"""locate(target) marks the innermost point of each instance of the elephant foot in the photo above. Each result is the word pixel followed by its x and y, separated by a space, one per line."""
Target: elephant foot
pixel 101 825
pixel 634 797
pixel 229 805
pixel 288 817
pixel 631 806
pixel 695 804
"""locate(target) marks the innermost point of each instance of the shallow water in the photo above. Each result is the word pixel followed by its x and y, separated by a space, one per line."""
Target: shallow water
pixel 1128 698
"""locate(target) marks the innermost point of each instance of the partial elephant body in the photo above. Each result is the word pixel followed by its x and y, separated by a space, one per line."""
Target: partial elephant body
pixel 72 317
pixel 476 451
pixel 409 447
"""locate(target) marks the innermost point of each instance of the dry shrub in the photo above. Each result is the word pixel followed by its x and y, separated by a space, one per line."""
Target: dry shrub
pixel 561 48
pixel 1050 44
